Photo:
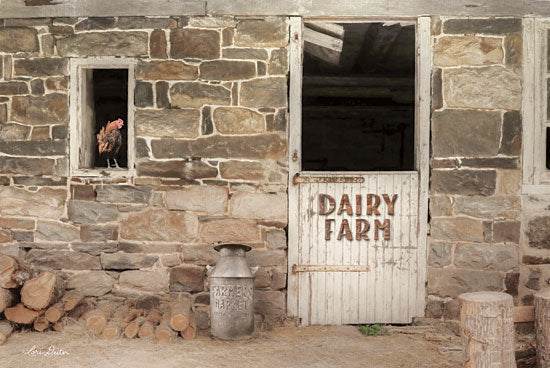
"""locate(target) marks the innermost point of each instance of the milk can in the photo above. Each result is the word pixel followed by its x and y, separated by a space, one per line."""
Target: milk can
pixel 231 293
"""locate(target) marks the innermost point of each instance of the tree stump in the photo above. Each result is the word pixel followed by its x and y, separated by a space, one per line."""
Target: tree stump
pixel 38 293
pixel 487 329
pixel 542 327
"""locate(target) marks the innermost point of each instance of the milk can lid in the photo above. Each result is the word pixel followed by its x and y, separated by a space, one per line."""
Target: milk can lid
pixel 246 248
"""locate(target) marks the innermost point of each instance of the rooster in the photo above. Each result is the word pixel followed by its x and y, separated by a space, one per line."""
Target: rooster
pixel 109 140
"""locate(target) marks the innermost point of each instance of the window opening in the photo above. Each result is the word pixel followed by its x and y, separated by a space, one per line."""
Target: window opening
pixel 358 97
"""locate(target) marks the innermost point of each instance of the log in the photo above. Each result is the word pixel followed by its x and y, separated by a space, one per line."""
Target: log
pixel 55 312
pixel 542 327
pixel 524 314
pixel 71 299
pixel 190 331
pixel 97 319
pixel 8 268
pixel 5 330
pixel 154 317
pixel 164 332
pixel 179 314
pixel 487 329
pixel 58 326
pixel 80 310
pixel 146 329
pixel 133 314
pixel 8 297
pixel 20 314
pixel 132 329
pixel 39 292
pixel 112 331
pixel 40 323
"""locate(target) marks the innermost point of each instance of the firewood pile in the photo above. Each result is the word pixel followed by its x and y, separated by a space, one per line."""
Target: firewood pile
pixel 38 300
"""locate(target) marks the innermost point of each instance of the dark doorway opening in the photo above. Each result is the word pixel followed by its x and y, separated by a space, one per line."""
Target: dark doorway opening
pixel 110 102
pixel 358 97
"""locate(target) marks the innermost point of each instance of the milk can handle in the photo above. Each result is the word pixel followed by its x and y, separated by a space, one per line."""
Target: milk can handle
pixel 254 269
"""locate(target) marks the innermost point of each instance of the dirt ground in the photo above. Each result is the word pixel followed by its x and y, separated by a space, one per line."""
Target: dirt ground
pixel 317 346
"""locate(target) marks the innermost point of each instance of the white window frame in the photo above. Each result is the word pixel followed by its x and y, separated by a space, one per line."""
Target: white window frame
pixel 536 177
pixel 78 67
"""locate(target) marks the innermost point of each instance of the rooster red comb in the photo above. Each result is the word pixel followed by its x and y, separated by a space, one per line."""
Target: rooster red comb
pixel 119 123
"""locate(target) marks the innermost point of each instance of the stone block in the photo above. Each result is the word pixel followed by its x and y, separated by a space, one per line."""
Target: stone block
pixel 13 88
pixel 39 181
pixel 40 133
pixel 264 92
pixel 195 94
pixel 270 303
pixel 43 203
pixel 62 260
pixel 457 229
pixel 262 146
pixel 230 231
pixel 34 148
pixel 17 223
pixel 466 133
pixel 18 39
pixel 437 89
pixel 50 231
pixel 440 254
pixel 450 282
pixel 213 22
pixel 276 239
pixel 493 26
pixel 146 23
pixel 451 310
pixel 259 206
pixel 123 194
pixel 28 166
pixel 269 32
pixel 468 50
pixel 162 94
pixel 497 207
pixel 464 182
pixel 263 258
pixel 157 44
pixel 201 255
pixel 236 120
pixel 127 261
pixel 143 94
pixel 508 182
pixel 112 43
pixel 14 132
pixel 97 233
pixel 486 257
pixel 278 279
pixel 204 199
pixel 506 232
pixel 170 123
pixel 95 248
pixel 153 281
pixel 513 44
pixel 41 67
pixel 434 309
pixel 187 278
pixel 226 70
pixel 441 206
pixel 511 134
pixel 202 316
pixel 493 87
pixel 166 70
pixel 87 212
pixel 5 236
pixel 512 283
pixel 262 278
pixel 83 192
pixel 491 162
pixel 40 110
pixel 194 43
pixel 176 169
pixel 160 225
pixel 538 232
pixel 244 170
pixel 171 260
pixel 207 126
pixel 244 53
pixel 278 62
pixel 57 83
pixel 93 23
pixel 94 283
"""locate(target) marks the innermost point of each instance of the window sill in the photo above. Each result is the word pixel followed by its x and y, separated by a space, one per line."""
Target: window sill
pixel 103 173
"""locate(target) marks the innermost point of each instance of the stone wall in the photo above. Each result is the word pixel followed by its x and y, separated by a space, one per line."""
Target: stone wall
pixel 211 140
pixel 475 203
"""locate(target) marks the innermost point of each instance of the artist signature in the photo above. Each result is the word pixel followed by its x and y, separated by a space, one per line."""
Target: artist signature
pixel 51 351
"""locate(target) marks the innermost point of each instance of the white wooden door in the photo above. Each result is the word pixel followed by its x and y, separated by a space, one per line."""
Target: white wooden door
pixel 357 240
pixel 357 248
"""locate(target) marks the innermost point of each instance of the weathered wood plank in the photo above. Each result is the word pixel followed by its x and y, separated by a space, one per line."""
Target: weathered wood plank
pixel 101 8
pixel 524 314
pixel 306 8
